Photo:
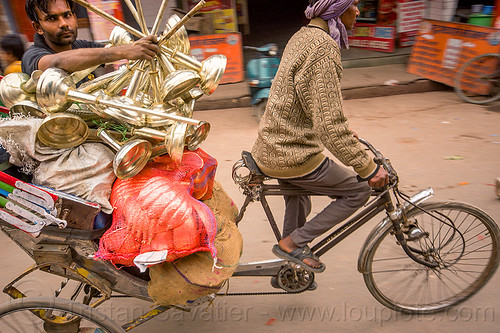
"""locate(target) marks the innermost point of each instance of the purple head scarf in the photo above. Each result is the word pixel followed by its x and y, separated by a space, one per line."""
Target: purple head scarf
pixel 330 10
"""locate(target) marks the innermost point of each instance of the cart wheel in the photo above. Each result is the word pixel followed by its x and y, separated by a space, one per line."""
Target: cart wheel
pixel 478 80
pixel 50 314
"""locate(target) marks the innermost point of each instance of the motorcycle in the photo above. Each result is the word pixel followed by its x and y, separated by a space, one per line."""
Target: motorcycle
pixel 260 75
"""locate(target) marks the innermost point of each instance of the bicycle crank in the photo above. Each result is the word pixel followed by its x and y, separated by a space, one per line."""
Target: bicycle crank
pixel 293 278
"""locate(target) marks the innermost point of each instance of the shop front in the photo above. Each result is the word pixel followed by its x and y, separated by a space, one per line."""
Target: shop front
pixel 384 25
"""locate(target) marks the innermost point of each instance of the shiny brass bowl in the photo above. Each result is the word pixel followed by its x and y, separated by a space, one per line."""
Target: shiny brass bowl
pixel 176 141
pixel 178 83
pixel 27 108
pixel 62 130
pixel 132 158
pixel 120 36
pixel 211 72
pixel 11 92
pixel 198 135
pixel 180 39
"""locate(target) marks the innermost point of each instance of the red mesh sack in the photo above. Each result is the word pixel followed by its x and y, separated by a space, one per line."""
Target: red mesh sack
pixel 158 211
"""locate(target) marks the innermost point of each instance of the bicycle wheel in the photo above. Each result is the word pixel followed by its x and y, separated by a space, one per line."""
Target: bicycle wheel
pixel 461 239
pixel 61 315
pixel 478 80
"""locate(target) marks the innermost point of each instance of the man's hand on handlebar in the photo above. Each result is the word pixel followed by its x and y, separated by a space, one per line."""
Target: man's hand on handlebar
pixel 380 179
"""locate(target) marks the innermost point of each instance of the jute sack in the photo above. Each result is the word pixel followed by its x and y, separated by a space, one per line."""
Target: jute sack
pixel 194 276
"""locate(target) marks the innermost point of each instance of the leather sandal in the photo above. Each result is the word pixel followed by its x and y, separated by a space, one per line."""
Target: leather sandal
pixel 297 255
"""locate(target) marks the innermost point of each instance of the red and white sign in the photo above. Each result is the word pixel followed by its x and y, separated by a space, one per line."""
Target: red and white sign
pixel 373 37
pixel 411 13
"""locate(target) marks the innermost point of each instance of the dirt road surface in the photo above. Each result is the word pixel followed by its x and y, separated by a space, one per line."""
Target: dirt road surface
pixel 433 140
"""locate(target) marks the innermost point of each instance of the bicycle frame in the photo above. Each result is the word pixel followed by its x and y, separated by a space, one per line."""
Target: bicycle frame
pixel 257 190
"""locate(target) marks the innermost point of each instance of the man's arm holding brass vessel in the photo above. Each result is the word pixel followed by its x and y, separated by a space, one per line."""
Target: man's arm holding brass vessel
pixel 55 43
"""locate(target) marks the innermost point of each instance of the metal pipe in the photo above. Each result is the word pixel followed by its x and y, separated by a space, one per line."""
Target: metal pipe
pixel 77 96
pixel 110 18
pixel 140 11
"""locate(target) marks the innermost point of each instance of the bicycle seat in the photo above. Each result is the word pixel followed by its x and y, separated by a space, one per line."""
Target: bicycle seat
pixel 256 175
pixel 250 163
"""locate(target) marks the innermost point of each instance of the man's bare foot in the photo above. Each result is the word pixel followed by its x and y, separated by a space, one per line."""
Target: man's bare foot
pixel 497 187
pixel 287 245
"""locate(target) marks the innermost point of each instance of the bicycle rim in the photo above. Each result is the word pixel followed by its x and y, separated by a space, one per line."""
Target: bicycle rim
pixel 465 245
pixel 25 315
pixel 478 80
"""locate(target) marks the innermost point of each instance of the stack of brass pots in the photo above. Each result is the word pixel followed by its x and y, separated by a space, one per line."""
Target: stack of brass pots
pixel 155 110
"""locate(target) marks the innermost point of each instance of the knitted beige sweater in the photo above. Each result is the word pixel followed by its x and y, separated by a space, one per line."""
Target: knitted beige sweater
pixel 304 112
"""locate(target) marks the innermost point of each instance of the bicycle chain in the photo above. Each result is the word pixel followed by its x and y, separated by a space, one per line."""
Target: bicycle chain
pixel 263 293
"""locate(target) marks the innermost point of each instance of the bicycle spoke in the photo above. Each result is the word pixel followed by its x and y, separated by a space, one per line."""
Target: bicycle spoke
pixel 461 240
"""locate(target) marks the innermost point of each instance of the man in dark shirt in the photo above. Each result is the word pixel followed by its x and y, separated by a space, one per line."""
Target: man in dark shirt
pixel 55 43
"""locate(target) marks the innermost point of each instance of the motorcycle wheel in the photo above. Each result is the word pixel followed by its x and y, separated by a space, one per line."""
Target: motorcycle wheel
pixel 260 108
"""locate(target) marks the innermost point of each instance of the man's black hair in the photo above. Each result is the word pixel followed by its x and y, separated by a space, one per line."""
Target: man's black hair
pixel 42 5
pixel 13 44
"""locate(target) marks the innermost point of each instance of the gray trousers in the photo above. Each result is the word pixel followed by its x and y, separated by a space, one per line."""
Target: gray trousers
pixel 329 179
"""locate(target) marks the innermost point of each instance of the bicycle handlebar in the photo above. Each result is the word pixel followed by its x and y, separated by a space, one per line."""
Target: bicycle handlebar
pixel 380 159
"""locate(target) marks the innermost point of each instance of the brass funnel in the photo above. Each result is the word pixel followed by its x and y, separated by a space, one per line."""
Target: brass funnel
pixel 131 156
pixel 176 140
pixel 62 130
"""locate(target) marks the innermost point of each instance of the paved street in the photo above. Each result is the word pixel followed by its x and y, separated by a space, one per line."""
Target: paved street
pixel 433 140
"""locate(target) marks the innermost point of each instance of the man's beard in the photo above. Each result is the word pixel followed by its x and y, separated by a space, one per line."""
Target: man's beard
pixel 62 41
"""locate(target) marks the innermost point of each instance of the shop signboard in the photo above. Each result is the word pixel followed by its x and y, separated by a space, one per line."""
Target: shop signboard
pixel 373 37
pixel 222 12
pixel 100 27
pixel 411 13
pixel 441 48
pixel 229 45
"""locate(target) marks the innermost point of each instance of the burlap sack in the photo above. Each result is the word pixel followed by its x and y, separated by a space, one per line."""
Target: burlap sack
pixel 194 276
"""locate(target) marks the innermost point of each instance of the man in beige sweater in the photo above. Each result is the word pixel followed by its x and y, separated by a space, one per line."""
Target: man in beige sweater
pixel 303 116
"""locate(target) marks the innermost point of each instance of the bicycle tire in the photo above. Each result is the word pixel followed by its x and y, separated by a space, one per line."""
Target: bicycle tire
pixel 468 74
pixel 56 304
pixel 484 237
